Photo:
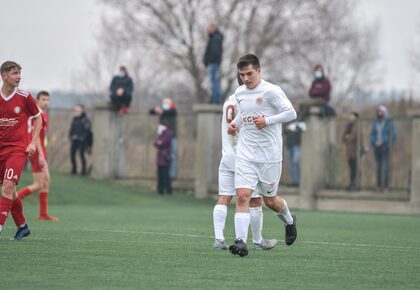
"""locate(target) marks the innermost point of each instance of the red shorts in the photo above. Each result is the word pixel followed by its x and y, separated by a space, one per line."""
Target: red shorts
pixel 11 166
pixel 36 166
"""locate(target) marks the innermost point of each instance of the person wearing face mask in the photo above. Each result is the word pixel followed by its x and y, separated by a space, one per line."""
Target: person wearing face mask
pixel 164 158
pixel 80 135
pixel 167 114
pixel 121 91
pixel 383 135
pixel 319 94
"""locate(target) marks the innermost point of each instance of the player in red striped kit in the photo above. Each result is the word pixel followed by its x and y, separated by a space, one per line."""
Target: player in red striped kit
pixel 39 162
pixel 16 107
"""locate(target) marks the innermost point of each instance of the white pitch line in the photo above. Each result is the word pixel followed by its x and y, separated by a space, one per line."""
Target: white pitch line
pixel 211 237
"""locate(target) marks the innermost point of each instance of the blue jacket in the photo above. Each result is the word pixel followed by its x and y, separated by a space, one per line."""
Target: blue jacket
pixel 388 131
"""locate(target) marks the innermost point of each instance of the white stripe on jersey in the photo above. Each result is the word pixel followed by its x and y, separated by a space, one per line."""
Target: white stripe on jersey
pixel 23 93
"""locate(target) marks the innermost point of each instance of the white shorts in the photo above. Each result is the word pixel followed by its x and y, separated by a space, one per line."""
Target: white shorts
pixel 261 177
pixel 227 184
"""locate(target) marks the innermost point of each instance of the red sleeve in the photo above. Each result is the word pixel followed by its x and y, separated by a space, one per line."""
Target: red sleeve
pixel 31 107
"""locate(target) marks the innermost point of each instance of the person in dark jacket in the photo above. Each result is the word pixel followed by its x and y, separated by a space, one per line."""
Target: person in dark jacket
pixel 319 94
pixel 383 135
pixel 163 158
pixel 353 141
pixel 121 91
pixel 212 60
pixel 80 136
pixel 167 114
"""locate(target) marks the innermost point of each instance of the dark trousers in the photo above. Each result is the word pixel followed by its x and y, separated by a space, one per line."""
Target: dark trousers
pixel 77 145
pixel 353 170
pixel 382 166
pixel 118 102
pixel 163 180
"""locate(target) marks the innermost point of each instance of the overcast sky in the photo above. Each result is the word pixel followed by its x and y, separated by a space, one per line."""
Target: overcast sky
pixel 49 38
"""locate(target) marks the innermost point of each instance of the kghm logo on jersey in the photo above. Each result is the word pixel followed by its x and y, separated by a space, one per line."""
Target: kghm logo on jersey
pixel 17 109
pixel 259 100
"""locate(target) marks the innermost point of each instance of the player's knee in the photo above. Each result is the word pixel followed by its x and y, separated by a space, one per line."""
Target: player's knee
pixel 243 198
pixel 224 200
pixel 270 202
pixel 8 189
pixel 255 202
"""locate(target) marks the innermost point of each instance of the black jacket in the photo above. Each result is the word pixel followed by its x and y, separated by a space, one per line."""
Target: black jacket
pixel 122 82
pixel 168 117
pixel 214 48
pixel 81 129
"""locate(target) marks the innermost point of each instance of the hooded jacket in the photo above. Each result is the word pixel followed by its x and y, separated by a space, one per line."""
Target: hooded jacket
pixel 383 130
pixel 214 48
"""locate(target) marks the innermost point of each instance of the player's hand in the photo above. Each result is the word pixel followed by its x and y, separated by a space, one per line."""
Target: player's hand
pixel 232 129
pixel 260 122
pixel 31 148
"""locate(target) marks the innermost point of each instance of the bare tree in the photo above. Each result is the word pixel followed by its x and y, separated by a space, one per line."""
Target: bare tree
pixel 165 39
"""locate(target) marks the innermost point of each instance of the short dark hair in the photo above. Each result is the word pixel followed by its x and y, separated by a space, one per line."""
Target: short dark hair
pixel 249 59
pixel 356 114
pixel 319 66
pixel 8 65
pixel 42 93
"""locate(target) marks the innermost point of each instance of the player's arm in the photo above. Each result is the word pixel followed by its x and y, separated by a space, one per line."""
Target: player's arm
pixel 35 136
pixel 42 160
pixel 235 124
pixel 286 111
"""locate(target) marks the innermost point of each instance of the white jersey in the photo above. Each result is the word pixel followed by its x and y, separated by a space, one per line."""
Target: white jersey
pixel 267 100
pixel 230 110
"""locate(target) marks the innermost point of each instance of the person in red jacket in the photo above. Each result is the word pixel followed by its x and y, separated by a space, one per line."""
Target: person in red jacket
pixel 319 93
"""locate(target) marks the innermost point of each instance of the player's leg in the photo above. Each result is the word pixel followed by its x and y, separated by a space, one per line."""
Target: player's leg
pixel 270 177
pixel 82 148
pixel 13 169
pixel 36 186
pixel 43 198
pixel 257 216
pixel 226 192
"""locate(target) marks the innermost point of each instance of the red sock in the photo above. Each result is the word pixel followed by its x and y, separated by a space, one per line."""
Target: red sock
pixel 17 212
pixel 24 192
pixel 43 203
pixel 5 207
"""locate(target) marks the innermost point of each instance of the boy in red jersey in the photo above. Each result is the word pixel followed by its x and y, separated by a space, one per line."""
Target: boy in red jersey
pixel 16 107
pixel 39 162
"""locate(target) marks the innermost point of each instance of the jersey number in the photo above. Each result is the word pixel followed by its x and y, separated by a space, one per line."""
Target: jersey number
pixel 9 174
pixel 230 113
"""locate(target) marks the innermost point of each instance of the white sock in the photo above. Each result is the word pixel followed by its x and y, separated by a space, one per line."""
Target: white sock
pixel 242 220
pixel 256 223
pixel 285 215
pixel 219 220
pixel 1 227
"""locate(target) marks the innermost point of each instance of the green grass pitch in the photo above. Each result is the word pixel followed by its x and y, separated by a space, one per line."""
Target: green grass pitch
pixel 115 237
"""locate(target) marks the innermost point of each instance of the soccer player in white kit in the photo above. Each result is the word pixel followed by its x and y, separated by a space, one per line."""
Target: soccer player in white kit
pixel 227 188
pixel 263 107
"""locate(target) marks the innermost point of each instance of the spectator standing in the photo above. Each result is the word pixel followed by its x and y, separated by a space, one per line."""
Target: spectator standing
pixel 163 158
pixel 212 60
pixel 353 140
pixel 121 91
pixel 80 136
pixel 293 134
pixel 383 136
pixel 167 114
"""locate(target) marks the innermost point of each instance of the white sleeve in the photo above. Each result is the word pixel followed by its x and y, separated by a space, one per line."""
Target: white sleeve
pixel 283 105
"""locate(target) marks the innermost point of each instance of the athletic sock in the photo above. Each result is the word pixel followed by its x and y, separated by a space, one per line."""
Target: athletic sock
pixel 43 203
pixel 24 192
pixel 285 215
pixel 256 223
pixel 5 208
pixel 219 220
pixel 242 220
pixel 17 212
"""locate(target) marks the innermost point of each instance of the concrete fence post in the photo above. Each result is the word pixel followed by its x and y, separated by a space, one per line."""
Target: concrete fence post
pixel 415 165
pixel 108 150
pixel 314 159
pixel 208 148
